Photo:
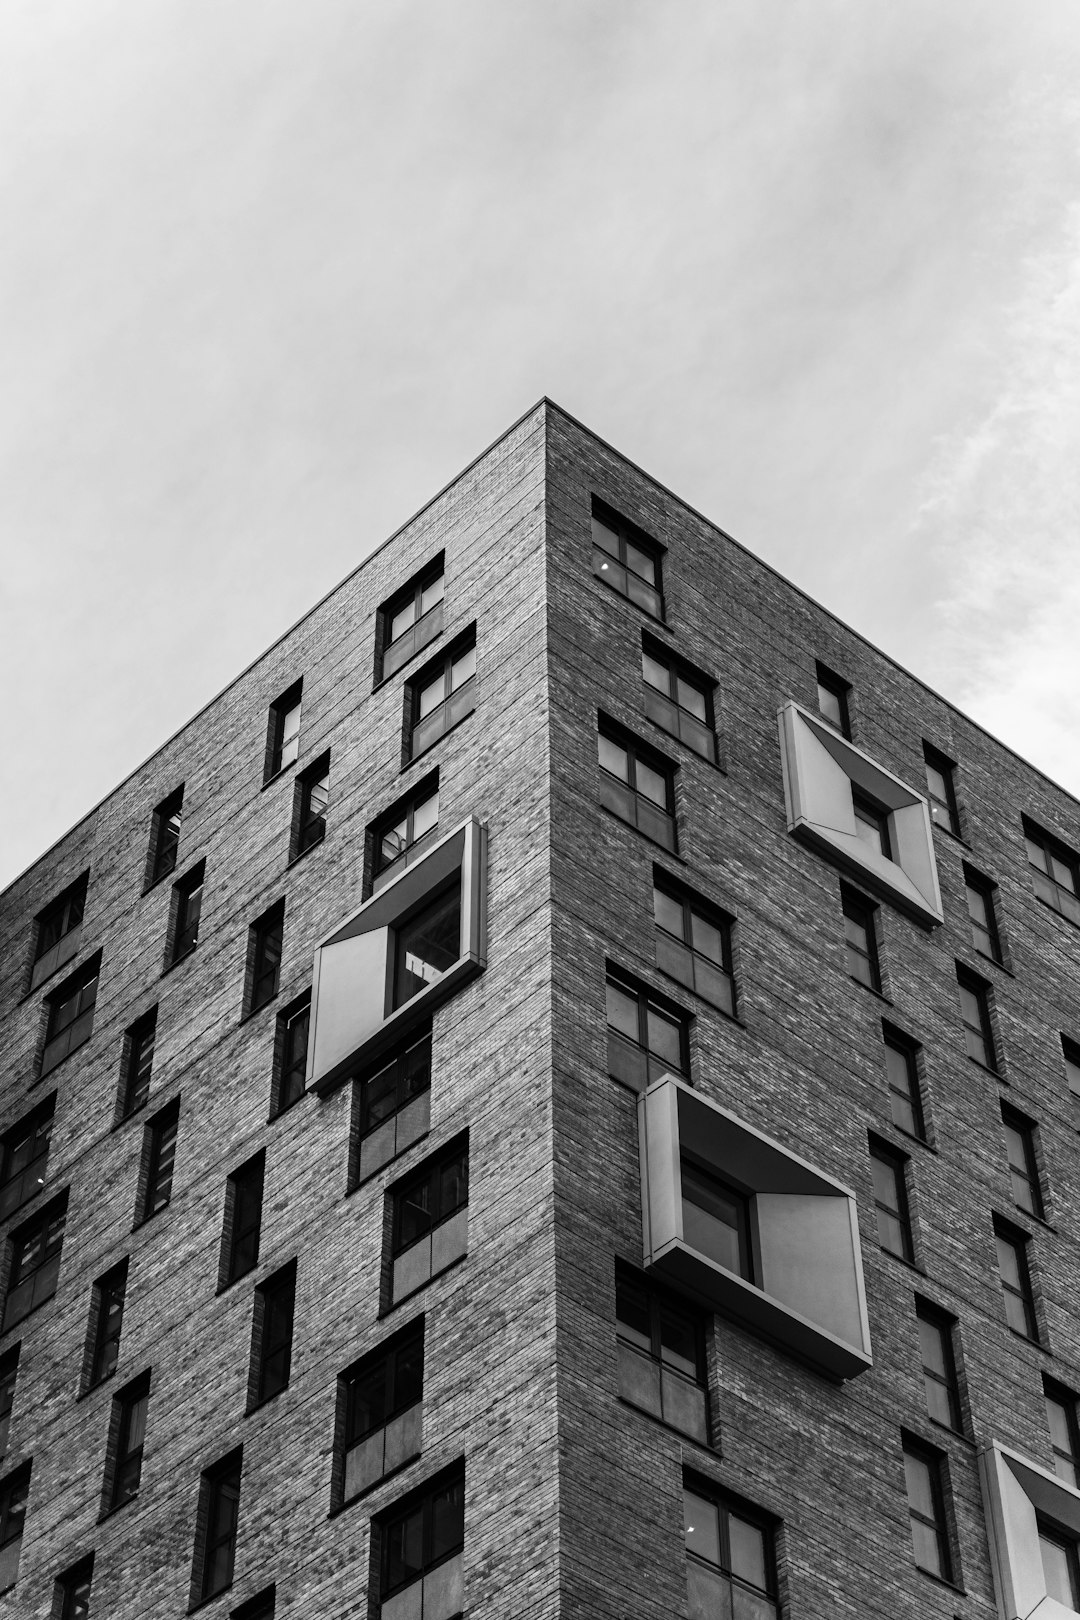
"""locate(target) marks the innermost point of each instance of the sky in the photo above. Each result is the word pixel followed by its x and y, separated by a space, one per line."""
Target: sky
pixel 272 273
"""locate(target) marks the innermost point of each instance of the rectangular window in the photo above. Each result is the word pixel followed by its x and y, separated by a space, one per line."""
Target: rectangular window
pixel 392 1106
pixel 290 1054
pixel 1061 1565
pixel 1012 1253
pixel 382 1395
pixel 716 1219
pixel 24 1154
pixel 107 1322
pixel 283 732
pixel 890 1200
pixel 418 1537
pixel 124 1466
pixel 272 1335
pixel 264 956
pixel 638 786
pixel 975 1012
pixel 410 620
pixel 693 944
pixel 35 1261
pixel 426 945
pixel 679 698
pixel 72 1596
pixel 1023 1167
pixel 443 693
pixel 260 1607
pixel 661 1355
pixel 187 910
pixel 137 1063
pixel 70 1016
pixel 860 939
pixel 403 834
pixel 936 1331
pixel 215 1535
pixel 430 1219
pixel 159 1157
pixel 982 913
pixel 1055 871
pixel 164 838
pixel 923 1470
pixel 871 823
pixel 901 1066
pixel 941 789
pixel 832 696
pixel 730 1565
pixel 312 802
pixel 243 1219
pixel 1061 1419
pixel 58 931
pixel 1070 1053
pixel 647 1037
pixel 9 1373
pixel 14 1492
pixel 625 558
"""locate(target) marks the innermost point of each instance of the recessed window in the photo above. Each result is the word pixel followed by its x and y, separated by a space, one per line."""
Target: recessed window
pixel 832 697
pixel 426 945
pixel 159 1159
pixel 9 1373
pixel 730 1566
pixel 58 931
pixel 716 1219
pixel 283 732
pixel 164 837
pixel 382 1395
pixel 123 1472
pixel 106 1322
pixel 14 1491
pixel 1061 1568
pixel 940 1384
pixel 637 785
pixel 679 698
pixel 647 1037
pixel 137 1063
pixel 260 1607
pixel 871 823
pixel 186 913
pixel 941 789
pixel 975 1013
pixel 1012 1254
pixel 272 1335
pixel 409 828
pixel 35 1261
pixel 661 1355
pixel 627 559
pixel 1070 1054
pixel 243 1219
pixel 924 1473
pixel 1061 1418
pixel 693 943
pixel 290 1054
pixel 410 620
pixel 430 1219
pixel 312 802
pixel 901 1067
pixel 1055 871
pixel 890 1200
pixel 70 1015
pixel 441 695
pixel 1023 1166
pixel 24 1155
pixel 420 1545
pixel 982 914
pixel 216 1526
pixel 392 1106
pixel 265 938
pixel 72 1595
pixel 860 939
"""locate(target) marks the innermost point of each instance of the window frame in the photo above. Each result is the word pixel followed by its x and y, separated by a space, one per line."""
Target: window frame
pixel 163 846
pixel 1068 1542
pixel 15 1486
pixel 894 1040
pixel 616 572
pixel 156 1183
pixel 835 685
pixel 436 906
pixel 18 1187
pixel 50 1223
pixel 935 1463
pixel 224 1476
pixel 262 1606
pixel 63 1039
pixel 976 883
pixel 66 1591
pixel 982 991
pixel 722 922
pixel 420 732
pixel 935 760
pixel 899 1212
pixel 728 1507
pixel 402 1397
pixel 47 959
pixel 1059 896
pixel 137 1064
pixel 368 1156
pixel 9 1382
pixel 1026 1172
pixel 635 1075
pixel 624 799
pixel 661 1303
pixel 947 1379
pixel 739 1197
pixel 108 1299
pixel 663 706
pixel 1019 1242
pixel 283 738
pixel 125 1452
pixel 858 909
pixel 273 1330
pixel 421 1499
pixel 288 1063
pixel 242 1221
pixel 266 948
pixel 186 918
pixel 426 625
pixel 1057 1394
pixel 403 809
pixel 432 1175
pixel 312 803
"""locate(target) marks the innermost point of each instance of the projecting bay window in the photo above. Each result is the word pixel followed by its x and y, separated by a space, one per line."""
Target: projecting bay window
pixel 58 931
pixel 36 1248
pixel 403 834
pixel 430 1211
pixel 646 1036
pixel 392 1106
pixel 382 1396
pixel 730 1567
pixel 24 1155
pixel 441 695
pixel 1033 1520
pixel 661 1359
pixel 1055 871
pixel 410 620
pixel 693 943
pixel 70 1016
pixel 637 785
pixel 625 558
pixel 679 698
pixel 420 1543
pixel 283 732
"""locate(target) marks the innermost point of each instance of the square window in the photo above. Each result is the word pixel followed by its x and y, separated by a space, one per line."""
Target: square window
pixel 730 1562
pixel 1055 871
pixel 941 789
pixel 637 784
pixel 391 1106
pixel 35 1261
pixel 901 1067
pixel 1023 1166
pixel 679 698
pixel 1012 1253
pixel 410 620
pixel 693 942
pixel 127 1434
pixel 186 913
pixel 890 1200
pixel 216 1527
pixel 627 559
pixel 137 1063
pixel 159 1159
pixel 661 1355
pixel 265 938
pixel 9 1373
pixel 975 1013
pixel 832 695
pixel 405 832
pixel 24 1156
pixel 243 1220
pixel 418 1547
pixel 290 1054
pixel 106 1323
pixel 272 1336
pixel 647 1036
pixel 70 1015
pixel 426 945
pixel 936 1340
pixel 860 939
pixel 72 1596
pixel 429 1219
pixel 283 732
pixel 164 837
pixel 440 695
pixel 1061 1419
pixel 982 914
pixel 924 1471
pixel 380 1409
pixel 14 1491
pixel 58 931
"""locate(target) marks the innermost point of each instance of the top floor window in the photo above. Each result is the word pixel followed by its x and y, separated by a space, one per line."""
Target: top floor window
pixel 443 693
pixel 407 829
pixel 411 619
pixel 1055 871
pixel 164 837
pixel 637 785
pixel 283 731
pixel 832 696
pixel 941 790
pixel 678 698
pixel 626 559
pixel 58 931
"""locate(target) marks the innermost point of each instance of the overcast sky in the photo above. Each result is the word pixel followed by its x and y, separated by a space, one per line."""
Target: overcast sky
pixel 273 271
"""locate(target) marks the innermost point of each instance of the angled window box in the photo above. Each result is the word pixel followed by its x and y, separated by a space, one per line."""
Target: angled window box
pixel 857 814
pixel 405 951
pixel 1033 1519
pixel 756 1233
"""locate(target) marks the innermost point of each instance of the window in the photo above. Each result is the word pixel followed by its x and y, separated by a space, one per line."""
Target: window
pixel 430 1219
pixel 426 945
pixel 128 1431
pixel 982 912
pixel 941 790
pixel 58 931
pixel 871 823
pixel 407 829
pixel 215 1534
pixel 392 1106
pixel 107 1322
pixel 1061 1420
pixel 1061 1570
pixel 283 732
pixel 626 559
pixel 1070 1052
pixel 443 693
pixel 716 1218
pixel 35 1261
pixel 137 1063
pixel 159 1156
pixel 187 910
pixel 890 1200
pixel 638 786
pixel 164 838
pixel 410 620
pixel 24 1153
pixel 9 1372
pixel 1023 1170
pixel 936 1332
pixel 72 1599
pixel 272 1335
pixel 693 944
pixel 832 699
pixel 975 1012
pixel 678 698
pixel 243 1218
pixel 13 1495
pixel 901 1067
pixel 290 1054
pixel 264 956
pixel 382 1396
pixel 661 1355
pixel 647 1037
pixel 260 1607
pixel 1055 871
pixel 421 1540
pixel 730 1568
pixel 70 1018
pixel 923 1470
pixel 1012 1247
pixel 312 799
pixel 860 939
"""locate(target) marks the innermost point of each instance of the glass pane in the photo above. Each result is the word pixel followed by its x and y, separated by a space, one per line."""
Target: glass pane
pixel 136 1429
pixel 919 1485
pixel 463 669
pixel 868 828
pixel 1016 1313
pixel 678 1341
pixel 613 758
pixel 702 1527
pixel 712 1219
pixel 632 1313
pixel 938 1404
pixel 1008 1262
pixel 432 695
pixel 925 1544
pixel 669 913
pixel 651 784
pixel 903 1114
pixel 605 538
pixel 829 706
pixel 1036 854
pixel 453 1185
pixel 1063 874
pixel 1058 1575
pixel 932 1346
pixel 402 620
pixel 656 673
pixel 367 1403
pixel 622 1012
pixel 1058 1419
pixel 707 938
pixel 936 783
pixel 426 815
pixel 691 698
pixel 891 1233
pixel 751 1605
pixel 409 1375
pixel 640 563
pixel 380 1096
pixel 747 1551
pixel 418 1068
pixel 431 594
pixel 885 1182
pixel 447 1520
pixel 665 1038
pixel 427 946
pixel 404 1550
pixel 1072 1075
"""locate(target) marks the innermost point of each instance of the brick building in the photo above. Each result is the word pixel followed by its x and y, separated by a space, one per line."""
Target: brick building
pixel 554 1095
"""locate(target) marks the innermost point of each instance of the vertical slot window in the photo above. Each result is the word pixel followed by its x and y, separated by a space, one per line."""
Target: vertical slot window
pixel 982 914
pixel 1012 1253
pixel 923 1472
pixel 1061 1418
pixel 902 1070
pixel 833 693
pixel 165 837
pixel 137 1064
pixel 218 1521
pixel 107 1322
pixel 940 1384
pixel 36 1249
pixel 1023 1165
pixel 265 940
pixel 130 1407
pixel 187 913
pixel 272 1335
pixel 860 940
pixel 627 559
pixel 72 1599
pixel 975 1014
pixel 9 1373
pixel 159 1159
pixel 312 803
pixel 283 732
pixel 290 1054
pixel 14 1492
pixel 383 1395
pixel 243 1219
pixel 941 790
pixel 890 1201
